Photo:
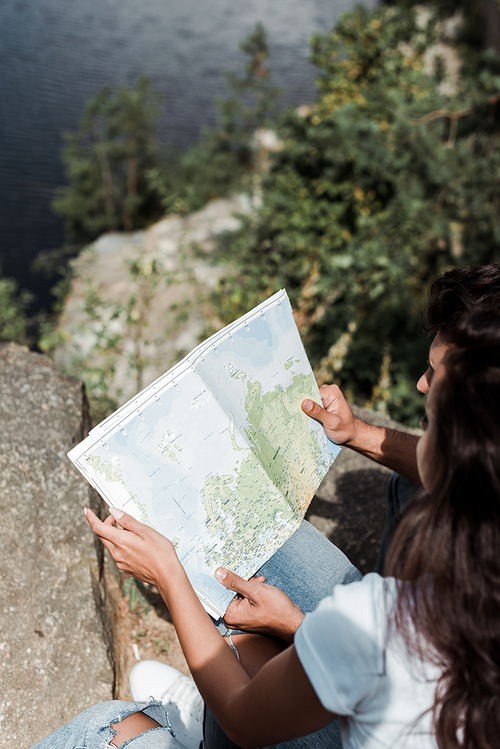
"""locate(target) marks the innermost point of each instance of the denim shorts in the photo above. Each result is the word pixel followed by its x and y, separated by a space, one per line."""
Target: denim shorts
pixel 92 728
pixel 307 567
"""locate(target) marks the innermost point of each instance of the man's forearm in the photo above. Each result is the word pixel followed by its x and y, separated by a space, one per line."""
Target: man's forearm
pixel 389 447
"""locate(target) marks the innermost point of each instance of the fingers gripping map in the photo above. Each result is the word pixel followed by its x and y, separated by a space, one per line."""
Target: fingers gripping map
pixel 217 454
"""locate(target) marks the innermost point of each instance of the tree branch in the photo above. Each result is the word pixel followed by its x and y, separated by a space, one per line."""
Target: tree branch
pixel 448 114
pixel 453 117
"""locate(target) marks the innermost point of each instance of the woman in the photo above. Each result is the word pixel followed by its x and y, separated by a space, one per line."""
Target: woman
pixel 411 659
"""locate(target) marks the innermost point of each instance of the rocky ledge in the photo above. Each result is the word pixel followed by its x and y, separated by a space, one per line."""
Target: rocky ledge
pixel 54 653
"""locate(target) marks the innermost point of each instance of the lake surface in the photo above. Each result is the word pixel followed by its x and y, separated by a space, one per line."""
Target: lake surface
pixel 55 55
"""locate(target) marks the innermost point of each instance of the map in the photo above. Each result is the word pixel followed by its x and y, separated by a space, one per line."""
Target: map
pixel 217 454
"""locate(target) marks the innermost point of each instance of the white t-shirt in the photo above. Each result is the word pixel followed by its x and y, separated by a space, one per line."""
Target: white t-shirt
pixel 362 674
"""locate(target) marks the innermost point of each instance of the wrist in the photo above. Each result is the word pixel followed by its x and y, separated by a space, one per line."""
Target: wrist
pixel 168 570
pixel 358 434
pixel 292 626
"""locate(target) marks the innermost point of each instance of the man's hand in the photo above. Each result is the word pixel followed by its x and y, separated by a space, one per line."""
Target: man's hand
pixel 259 607
pixel 390 447
pixel 337 418
pixel 137 549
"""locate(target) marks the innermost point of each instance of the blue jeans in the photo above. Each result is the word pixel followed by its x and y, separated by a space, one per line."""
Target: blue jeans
pixel 400 493
pixel 306 568
pixel 92 728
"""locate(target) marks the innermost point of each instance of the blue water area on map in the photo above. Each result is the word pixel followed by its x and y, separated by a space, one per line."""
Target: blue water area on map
pixel 256 341
pixel 270 352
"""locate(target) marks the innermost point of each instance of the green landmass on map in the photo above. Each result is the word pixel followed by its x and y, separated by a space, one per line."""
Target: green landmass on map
pixel 240 508
pixel 143 511
pixel 279 434
pixel 110 472
pixel 232 434
pixel 273 486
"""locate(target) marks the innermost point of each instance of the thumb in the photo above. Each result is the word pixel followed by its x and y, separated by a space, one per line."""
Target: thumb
pixel 234 582
pixel 313 409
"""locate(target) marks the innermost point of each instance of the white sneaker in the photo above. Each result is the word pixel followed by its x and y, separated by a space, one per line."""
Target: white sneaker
pixel 179 695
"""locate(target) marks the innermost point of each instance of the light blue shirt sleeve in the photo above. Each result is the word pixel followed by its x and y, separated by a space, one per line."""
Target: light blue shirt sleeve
pixel 341 645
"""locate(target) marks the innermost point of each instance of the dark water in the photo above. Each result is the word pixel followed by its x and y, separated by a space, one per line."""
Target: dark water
pixel 55 54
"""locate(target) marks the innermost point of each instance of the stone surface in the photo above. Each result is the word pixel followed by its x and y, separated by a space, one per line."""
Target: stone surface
pixel 172 321
pixel 53 656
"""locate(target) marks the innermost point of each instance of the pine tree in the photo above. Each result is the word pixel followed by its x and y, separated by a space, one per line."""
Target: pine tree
pixel 226 157
pixel 107 161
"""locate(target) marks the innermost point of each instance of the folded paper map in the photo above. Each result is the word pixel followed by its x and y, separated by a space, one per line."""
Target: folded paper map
pixel 216 454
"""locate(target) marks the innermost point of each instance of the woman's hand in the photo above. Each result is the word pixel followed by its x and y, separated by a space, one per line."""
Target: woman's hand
pixel 259 607
pixel 137 549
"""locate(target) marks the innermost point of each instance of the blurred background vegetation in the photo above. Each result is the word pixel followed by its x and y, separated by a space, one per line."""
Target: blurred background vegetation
pixel 390 178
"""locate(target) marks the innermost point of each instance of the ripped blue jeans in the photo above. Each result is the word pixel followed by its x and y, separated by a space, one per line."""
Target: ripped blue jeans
pixel 92 728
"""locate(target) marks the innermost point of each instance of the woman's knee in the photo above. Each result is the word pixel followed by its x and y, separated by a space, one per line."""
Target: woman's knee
pixel 132 727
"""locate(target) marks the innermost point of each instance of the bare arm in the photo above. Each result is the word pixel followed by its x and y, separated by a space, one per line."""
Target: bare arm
pixel 277 705
pixel 389 447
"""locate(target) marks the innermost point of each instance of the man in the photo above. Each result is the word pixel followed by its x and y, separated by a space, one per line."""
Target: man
pixel 457 293
pixel 461 291
pixel 308 566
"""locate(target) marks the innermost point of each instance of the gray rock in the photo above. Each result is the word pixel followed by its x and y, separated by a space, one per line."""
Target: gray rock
pixel 349 506
pixel 169 325
pixel 53 657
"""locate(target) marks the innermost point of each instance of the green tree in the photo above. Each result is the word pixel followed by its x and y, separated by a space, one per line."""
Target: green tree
pixel 389 180
pixel 253 103
pixel 107 162
pixel 14 323
pixel 226 158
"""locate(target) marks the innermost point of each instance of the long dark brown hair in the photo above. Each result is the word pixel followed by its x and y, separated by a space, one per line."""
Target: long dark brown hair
pixel 447 546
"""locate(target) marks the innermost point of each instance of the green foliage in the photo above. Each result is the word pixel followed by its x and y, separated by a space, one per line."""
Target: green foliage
pixel 134 591
pixel 226 158
pixel 390 180
pixel 253 101
pixel 107 162
pixel 120 178
pixel 13 320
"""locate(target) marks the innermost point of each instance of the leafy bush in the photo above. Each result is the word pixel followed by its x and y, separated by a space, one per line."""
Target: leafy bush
pixel 389 180
pixel 13 319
